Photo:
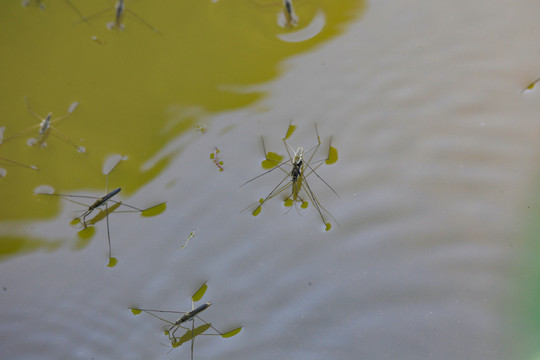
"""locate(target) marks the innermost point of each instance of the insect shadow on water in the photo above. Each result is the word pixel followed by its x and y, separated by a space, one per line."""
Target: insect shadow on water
pixel 104 201
pixel 300 166
pixel 120 11
pixel 8 161
pixel 173 326
pixel 46 129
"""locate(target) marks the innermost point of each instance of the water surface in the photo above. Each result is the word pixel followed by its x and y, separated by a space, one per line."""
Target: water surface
pixel 436 180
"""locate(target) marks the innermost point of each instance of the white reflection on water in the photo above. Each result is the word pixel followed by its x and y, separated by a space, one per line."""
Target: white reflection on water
pixel 311 30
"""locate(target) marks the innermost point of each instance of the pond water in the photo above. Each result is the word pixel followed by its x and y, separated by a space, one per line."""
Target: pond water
pixel 432 250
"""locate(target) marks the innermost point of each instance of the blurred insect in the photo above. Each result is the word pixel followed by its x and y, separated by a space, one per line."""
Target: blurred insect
pixel 46 128
pixel 300 169
pixel 214 157
pixel 291 19
pixel 104 201
pixel 120 10
pixel 190 334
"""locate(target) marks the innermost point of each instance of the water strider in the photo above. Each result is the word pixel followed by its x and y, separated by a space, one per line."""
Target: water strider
pixel 291 18
pixel 120 11
pixel 104 201
pixel 45 129
pixel 296 179
pixel 190 334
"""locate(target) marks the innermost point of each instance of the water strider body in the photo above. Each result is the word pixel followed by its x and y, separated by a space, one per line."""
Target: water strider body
pixel 118 16
pixel 297 172
pixel 187 317
pixel 290 16
pixel 101 201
